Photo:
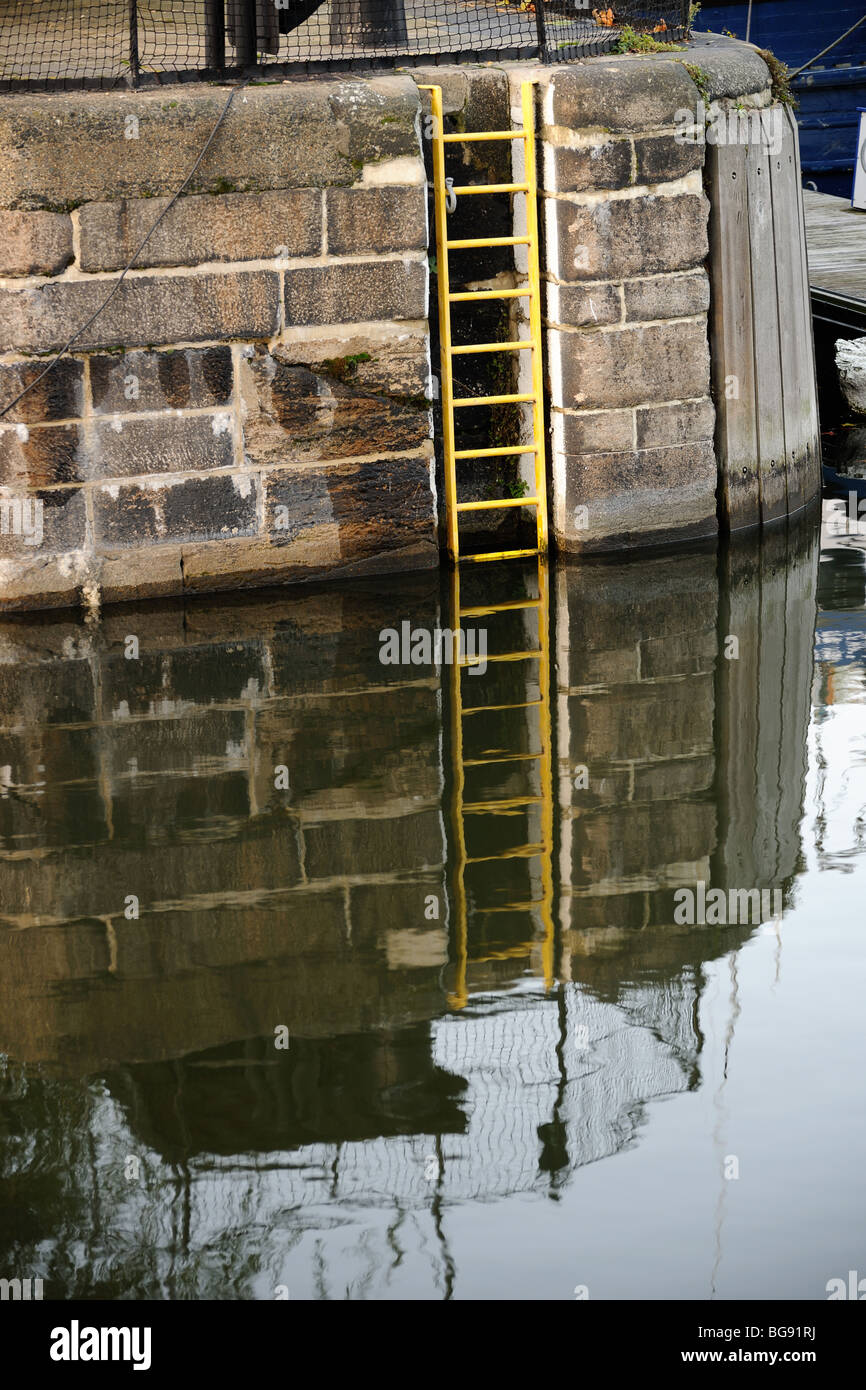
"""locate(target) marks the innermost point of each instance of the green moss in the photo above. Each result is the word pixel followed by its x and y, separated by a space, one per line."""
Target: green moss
pixel 341 368
pixel 780 78
pixel 632 41
pixel 701 80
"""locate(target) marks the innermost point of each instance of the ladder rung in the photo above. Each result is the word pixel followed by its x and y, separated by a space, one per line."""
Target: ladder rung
pixel 501 656
pixel 493 347
pixel 484 609
pixel 505 758
pixel 509 907
pixel 460 296
pixel 483 135
pixel 508 803
pixel 491 188
pixel 494 400
pixel 486 709
pixel 487 241
pixel 499 555
pixel 497 502
pixel 521 852
pixel 493 453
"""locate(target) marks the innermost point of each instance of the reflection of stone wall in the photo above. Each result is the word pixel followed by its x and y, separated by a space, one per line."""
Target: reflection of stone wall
pixel 155 777
pixel 695 762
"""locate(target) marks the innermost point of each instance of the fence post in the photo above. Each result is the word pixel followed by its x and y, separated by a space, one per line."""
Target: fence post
pixel 541 30
pixel 133 43
pixel 215 35
pixel 242 17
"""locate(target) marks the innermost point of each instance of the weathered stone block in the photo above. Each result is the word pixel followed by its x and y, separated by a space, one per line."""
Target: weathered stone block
pixel 63 524
pixel 661 158
pixel 200 509
pixel 60 150
pixel 606 164
pixel 386 358
pixel 145 310
pixel 374 220
pixel 185 378
pixel 596 431
pixel 667 296
pixel 356 293
pixel 637 498
pixel 630 236
pixel 631 366
pixel 681 423
pixel 161 444
pixel 59 395
pixel 233 227
pixel 352 510
pixel 33 458
pixel 620 95
pixel 34 243
pixel 295 414
pixel 584 306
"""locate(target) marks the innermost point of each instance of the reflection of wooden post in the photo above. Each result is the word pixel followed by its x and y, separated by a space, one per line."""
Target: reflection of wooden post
pixel 368 22
pixel 214 34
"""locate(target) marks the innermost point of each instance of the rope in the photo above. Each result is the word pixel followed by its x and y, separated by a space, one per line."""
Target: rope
pixel 135 255
pixel 861 20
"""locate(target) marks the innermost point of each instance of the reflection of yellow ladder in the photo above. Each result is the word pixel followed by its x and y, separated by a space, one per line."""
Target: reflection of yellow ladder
pixel 542 848
pixel 532 344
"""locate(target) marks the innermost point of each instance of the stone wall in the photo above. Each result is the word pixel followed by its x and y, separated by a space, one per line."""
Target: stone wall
pixel 626 217
pixel 252 403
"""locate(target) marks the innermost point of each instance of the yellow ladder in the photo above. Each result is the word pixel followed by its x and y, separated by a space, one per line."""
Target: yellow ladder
pixel 532 344
pixel 542 848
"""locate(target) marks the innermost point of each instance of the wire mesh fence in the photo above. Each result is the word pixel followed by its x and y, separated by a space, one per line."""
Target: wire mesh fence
pixel 106 43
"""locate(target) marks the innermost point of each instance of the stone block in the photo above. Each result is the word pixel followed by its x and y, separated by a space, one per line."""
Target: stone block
pixel 629 236
pixel 637 498
pixel 231 227
pixel 59 395
pixel 169 443
pixel 146 310
pixel 620 95
pixel 584 306
pixel 631 366
pixel 662 158
pixel 667 296
pixel 591 432
pixel 373 220
pixel 63 525
pixel 35 243
pixel 185 378
pixel 130 515
pixel 684 422
pixel 294 414
pixel 356 293
pixel 604 164
pixel 351 511
pixel 42 457
pixel 63 149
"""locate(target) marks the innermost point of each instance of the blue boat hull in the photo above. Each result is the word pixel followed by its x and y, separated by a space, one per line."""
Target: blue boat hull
pixel 828 93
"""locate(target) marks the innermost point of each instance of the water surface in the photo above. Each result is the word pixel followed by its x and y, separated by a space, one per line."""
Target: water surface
pixel 510 1071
